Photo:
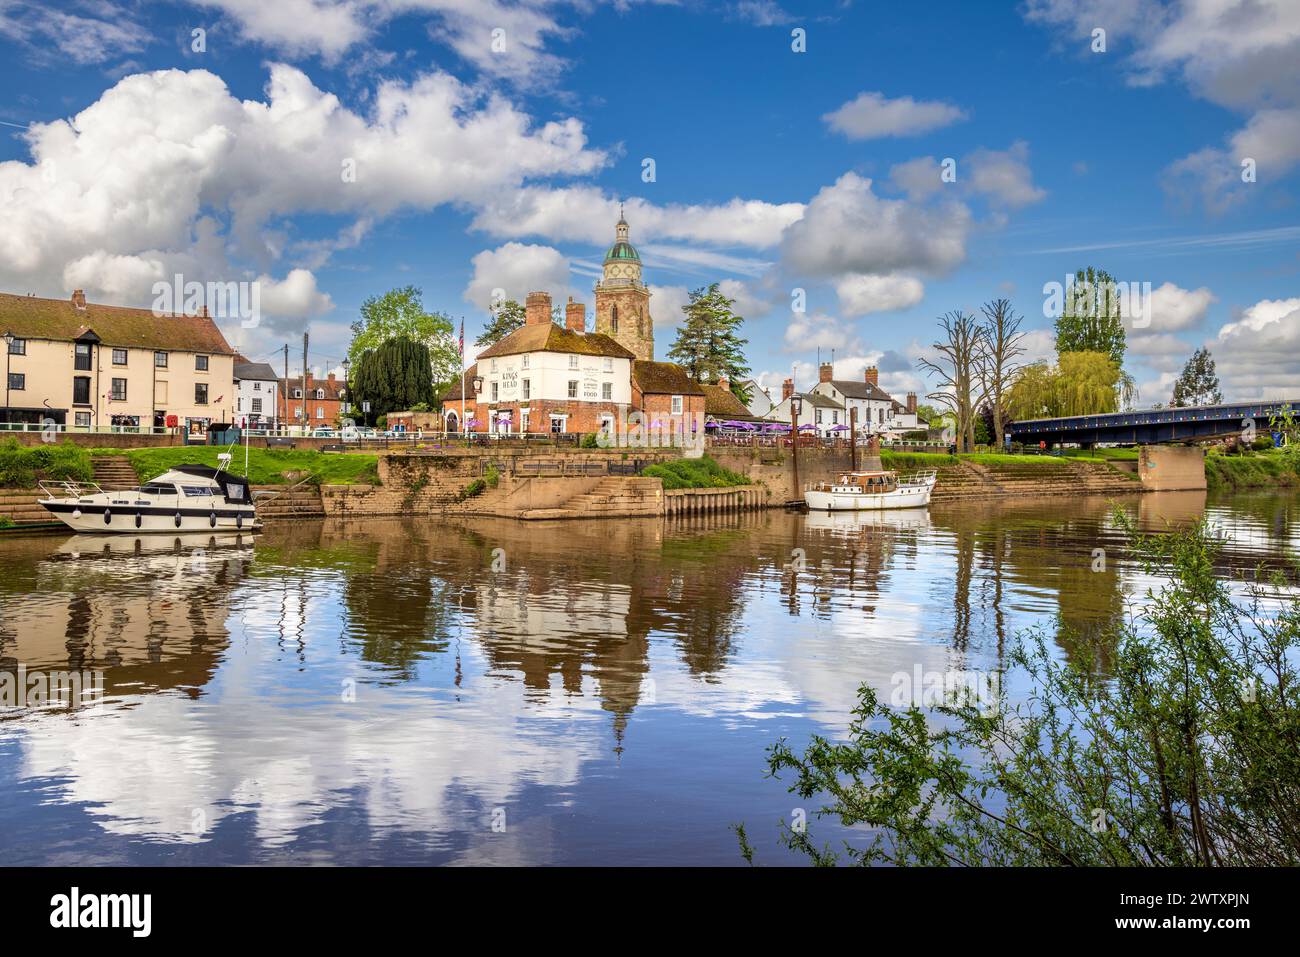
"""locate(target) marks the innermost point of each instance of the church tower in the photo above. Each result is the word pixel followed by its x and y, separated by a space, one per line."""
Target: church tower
pixel 622 299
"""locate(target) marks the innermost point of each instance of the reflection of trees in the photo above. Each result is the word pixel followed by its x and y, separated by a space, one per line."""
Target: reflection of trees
pixel 571 601
pixel 1046 547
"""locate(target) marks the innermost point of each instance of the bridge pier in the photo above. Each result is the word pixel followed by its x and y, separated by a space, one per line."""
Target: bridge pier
pixel 1168 467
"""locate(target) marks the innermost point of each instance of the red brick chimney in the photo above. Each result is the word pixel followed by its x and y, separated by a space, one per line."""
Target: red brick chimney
pixel 873 375
pixel 330 378
pixel 826 372
pixel 537 308
pixel 787 389
pixel 724 383
pixel 911 402
pixel 79 298
pixel 575 316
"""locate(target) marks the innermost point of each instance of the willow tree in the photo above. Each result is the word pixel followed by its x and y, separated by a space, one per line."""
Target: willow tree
pixel 956 371
pixel 1082 383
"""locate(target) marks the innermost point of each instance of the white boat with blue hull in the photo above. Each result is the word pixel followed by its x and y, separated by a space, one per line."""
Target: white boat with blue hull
pixel 187 498
pixel 867 491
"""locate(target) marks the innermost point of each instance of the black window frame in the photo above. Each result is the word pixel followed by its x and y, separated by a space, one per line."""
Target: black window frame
pixel 84 382
pixel 18 347
pixel 201 363
pixel 17 381
pixel 124 356
pixel 160 355
pixel 197 387
pixel 78 356
pixel 112 390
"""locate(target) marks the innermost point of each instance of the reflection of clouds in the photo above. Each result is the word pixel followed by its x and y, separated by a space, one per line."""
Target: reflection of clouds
pixel 415 759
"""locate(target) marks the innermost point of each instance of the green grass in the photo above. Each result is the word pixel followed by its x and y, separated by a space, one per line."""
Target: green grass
pixel 265 466
pixel 22 465
pixel 695 473
pixel 1255 470
pixel 899 461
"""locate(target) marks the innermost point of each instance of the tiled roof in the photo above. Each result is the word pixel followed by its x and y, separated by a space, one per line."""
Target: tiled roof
pixel 332 389
pixel 854 389
pixel 255 370
pixel 454 391
pixel 548 337
pixel 30 317
pixel 821 401
pixel 723 402
pixel 664 378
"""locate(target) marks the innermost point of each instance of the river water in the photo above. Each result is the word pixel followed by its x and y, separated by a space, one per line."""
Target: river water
pixel 488 691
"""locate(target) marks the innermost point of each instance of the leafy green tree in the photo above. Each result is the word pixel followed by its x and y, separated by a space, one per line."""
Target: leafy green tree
pixel 394 377
pixel 1090 319
pixel 401 313
pixel 506 318
pixel 1082 383
pixel 708 345
pixel 1198 384
pixel 1183 751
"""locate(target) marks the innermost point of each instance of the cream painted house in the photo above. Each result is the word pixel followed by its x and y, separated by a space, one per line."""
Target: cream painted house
pixel 83 365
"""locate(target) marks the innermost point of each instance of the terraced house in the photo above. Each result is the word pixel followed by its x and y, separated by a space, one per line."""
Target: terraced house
pixel 84 365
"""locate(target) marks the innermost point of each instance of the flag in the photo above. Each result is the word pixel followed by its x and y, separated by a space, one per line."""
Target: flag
pixel 461 342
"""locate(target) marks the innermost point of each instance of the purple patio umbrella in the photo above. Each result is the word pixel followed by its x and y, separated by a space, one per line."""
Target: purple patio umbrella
pixel 806 427
pixel 839 428
pixel 776 427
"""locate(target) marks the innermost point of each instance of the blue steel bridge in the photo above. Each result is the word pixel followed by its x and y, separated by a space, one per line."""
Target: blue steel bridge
pixel 1151 426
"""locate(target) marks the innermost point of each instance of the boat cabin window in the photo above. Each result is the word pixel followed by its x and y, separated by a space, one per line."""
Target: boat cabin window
pixel 157 488
pixel 196 490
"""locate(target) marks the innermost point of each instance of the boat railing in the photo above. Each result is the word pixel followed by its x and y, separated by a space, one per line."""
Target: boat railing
pixel 69 489
pixel 922 477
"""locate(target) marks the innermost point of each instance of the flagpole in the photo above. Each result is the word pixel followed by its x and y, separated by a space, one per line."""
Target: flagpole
pixel 462 376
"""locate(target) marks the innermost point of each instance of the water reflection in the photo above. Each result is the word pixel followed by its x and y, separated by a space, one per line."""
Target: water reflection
pixel 376 692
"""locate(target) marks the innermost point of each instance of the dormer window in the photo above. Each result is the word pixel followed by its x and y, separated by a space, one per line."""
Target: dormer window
pixel 320 393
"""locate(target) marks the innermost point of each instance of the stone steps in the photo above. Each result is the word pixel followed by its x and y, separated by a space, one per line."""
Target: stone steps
pixel 114 472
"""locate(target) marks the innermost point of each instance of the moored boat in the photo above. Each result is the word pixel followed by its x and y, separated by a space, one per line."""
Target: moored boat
pixel 187 498
pixel 863 491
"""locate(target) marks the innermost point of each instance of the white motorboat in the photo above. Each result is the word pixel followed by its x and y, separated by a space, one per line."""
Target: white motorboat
pixel 187 498
pixel 863 491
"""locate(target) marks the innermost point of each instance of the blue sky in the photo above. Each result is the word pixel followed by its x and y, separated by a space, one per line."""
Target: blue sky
pixel 129 156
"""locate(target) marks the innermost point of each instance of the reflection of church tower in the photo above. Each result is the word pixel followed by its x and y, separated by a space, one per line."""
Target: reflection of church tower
pixel 622 299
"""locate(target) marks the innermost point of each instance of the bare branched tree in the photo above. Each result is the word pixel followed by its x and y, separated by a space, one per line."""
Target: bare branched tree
pixel 998 366
pixel 956 370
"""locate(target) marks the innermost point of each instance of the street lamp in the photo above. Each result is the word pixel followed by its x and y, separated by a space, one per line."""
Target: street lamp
pixel 478 387
pixel 9 341
pixel 796 406
pixel 347 389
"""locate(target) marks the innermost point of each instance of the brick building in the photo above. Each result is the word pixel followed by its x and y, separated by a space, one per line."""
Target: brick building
pixel 313 403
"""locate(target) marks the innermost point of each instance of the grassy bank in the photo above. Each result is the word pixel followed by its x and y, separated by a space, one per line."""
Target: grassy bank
pixel 265 466
pixel 1254 470
pixel 21 466
pixel 696 473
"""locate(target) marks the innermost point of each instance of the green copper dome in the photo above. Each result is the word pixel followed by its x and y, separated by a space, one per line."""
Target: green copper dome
pixel 622 251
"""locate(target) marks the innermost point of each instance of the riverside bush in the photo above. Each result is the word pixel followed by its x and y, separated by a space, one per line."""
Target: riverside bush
pixel 1185 751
